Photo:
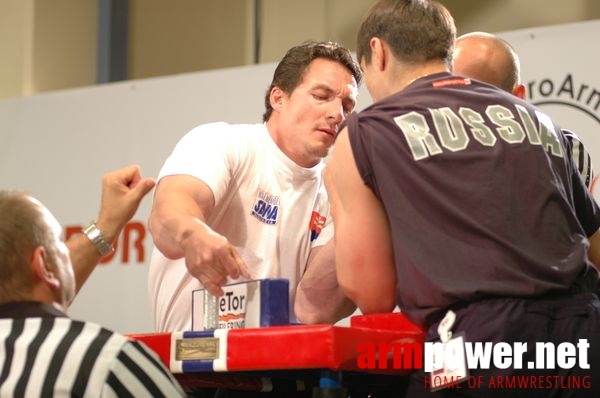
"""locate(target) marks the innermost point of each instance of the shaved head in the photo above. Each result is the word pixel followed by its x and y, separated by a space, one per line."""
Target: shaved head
pixel 485 57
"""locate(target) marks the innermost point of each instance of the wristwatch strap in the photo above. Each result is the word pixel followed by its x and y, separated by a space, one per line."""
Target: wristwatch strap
pixel 97 238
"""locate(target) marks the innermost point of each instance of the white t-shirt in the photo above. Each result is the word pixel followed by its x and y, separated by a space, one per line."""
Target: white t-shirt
pixel 272 210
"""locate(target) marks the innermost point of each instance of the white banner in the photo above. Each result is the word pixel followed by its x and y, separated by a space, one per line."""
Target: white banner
pixel 58 145
pixel 559 68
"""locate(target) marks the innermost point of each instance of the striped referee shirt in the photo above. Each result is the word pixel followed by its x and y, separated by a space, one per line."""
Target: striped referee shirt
pixel 43 353
pixel 581 157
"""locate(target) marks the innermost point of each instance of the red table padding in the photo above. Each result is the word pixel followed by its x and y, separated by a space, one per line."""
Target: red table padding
pixel 302 346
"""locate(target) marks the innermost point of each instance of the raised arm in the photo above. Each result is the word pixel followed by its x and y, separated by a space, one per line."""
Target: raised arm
pixel 363 245
pixel 178 226
pixel 122 192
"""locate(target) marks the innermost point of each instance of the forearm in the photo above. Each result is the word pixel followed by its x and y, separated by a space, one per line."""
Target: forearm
pixel 363 247
pixel 170 229
pixel 84 257
pixel 319 298
pixel 365 270
pixel 122 192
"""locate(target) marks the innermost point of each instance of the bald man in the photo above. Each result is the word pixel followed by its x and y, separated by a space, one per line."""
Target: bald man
pixel 44 352
pixel 490 59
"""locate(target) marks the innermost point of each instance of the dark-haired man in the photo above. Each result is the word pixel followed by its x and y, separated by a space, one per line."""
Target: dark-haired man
pixel 248 200
pixel 454 200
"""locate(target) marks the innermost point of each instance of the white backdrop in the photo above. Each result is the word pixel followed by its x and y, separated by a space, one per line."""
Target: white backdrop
pixel 58 145
pixel 559 66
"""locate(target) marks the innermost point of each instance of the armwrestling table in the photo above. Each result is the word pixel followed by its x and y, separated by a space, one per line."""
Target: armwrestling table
pixel 321 358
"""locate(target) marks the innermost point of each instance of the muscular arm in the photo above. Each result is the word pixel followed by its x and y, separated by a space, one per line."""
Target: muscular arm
pixel 363 247
pixel 181 204
pixel 178 226
pixel 122 192
pixel 319 298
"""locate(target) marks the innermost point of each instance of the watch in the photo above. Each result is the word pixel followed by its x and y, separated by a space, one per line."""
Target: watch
pixel 97 238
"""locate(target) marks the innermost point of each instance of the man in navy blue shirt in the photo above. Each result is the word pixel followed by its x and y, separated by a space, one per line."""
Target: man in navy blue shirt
pixel 455 200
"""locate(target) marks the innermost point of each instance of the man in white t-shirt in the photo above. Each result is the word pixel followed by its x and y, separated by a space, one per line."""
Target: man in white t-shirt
pixel 248 200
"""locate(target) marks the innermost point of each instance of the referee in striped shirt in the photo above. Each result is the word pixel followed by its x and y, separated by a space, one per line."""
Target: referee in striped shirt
pixel 43 352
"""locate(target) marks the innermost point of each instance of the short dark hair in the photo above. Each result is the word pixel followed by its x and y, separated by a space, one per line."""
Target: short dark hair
pixel 290 70
pixel 415 30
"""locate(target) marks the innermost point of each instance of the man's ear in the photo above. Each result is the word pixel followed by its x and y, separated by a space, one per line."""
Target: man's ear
pixel 378 53
pixel 42 268
pixel 276 98
pixel 519 91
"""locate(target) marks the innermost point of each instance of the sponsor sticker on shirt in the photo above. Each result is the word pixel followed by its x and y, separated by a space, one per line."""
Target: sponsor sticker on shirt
pixel 454 81
pixel 266 207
